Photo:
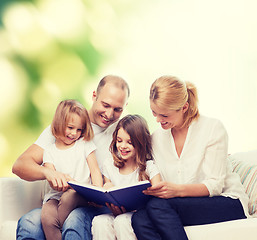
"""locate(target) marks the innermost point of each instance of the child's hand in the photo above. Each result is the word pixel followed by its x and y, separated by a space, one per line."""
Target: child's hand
pixel 115 209
pixel 108 185
pixel 57 180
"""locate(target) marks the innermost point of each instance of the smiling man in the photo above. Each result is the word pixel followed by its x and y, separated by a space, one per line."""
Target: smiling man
pixel 109 100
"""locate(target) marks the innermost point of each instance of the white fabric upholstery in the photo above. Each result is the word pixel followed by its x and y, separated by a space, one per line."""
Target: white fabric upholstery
pixel 17 197
pixel 236 230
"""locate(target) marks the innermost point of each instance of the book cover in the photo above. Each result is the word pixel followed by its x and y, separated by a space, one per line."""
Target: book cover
pixel 130 197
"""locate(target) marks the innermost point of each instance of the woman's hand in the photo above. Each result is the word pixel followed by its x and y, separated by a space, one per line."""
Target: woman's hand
pixel 164 190
pixel 115 209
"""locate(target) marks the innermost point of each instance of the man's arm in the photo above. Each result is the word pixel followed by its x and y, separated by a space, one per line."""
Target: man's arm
pixel 28 167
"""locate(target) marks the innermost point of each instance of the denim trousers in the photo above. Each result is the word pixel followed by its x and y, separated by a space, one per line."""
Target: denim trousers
pixel 165 218
pixel 77 226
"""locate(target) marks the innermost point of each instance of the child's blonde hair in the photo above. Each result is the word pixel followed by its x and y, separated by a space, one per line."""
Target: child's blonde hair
pixel 140 137
pixel 62 115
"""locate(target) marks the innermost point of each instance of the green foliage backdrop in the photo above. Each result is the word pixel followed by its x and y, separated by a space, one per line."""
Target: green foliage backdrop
pixel 50 50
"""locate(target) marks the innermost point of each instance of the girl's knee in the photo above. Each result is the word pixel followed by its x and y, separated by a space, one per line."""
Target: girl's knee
pixel 122 220
pixel 102 220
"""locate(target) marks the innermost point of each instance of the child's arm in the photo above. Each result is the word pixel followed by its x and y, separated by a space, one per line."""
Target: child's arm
pixel 53 180
pixel 114 209
pixel 107 183
pixel 156 179
pixel 49 165
pixel 96 175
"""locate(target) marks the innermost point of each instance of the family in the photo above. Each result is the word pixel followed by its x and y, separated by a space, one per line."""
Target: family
pixel 185 160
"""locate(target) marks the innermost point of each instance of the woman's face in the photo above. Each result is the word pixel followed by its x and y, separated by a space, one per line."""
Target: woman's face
pixel 168 119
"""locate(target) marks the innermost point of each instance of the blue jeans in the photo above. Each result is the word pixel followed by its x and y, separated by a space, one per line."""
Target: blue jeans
pixel 77 225
pixel 165 218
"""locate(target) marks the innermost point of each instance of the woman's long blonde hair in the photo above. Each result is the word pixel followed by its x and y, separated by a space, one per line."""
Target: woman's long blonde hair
pixel 172 94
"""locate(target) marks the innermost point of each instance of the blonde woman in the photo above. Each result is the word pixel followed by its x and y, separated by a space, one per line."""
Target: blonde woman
pixel 190 151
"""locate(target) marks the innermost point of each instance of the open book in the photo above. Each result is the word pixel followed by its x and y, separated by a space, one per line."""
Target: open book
pixel 129 196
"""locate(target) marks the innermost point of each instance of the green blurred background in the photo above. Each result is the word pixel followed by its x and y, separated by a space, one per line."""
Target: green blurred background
pixel 50 50
pixel 56 49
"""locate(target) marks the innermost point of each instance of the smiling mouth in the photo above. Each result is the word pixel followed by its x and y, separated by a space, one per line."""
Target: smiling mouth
pixel 106 120
pixel 124 152
pixel 70 138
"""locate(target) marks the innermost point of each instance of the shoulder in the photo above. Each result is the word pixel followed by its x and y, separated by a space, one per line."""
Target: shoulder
pixel 108 163
pixel 86 146
pixel 160 135
pixel 111 128
pixel 46 138
pixel 204 122
pixel 208 128
pixel 151 169
pixel 82 142
pixel 150 165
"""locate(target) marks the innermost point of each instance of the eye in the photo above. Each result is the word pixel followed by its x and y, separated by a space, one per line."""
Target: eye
pixel 118 109
pixel 106 105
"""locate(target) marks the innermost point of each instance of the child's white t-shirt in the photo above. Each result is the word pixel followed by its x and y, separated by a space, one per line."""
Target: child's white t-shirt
pixel 71 161
pixel 112 172
pixel 102 140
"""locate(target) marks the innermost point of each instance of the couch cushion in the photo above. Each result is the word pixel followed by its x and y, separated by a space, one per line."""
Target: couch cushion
pixel 8 230
pixel 245 164
pixel 236 230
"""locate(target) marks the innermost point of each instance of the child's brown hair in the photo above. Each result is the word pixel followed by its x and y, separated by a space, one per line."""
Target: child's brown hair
pixel 140 137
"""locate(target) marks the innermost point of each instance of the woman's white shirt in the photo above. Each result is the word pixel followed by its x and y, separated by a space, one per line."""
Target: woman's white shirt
pixel 202 160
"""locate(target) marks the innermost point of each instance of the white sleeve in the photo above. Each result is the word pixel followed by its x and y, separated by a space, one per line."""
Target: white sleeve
pixel 47 156
pixel 151 169
pixel 215 164
pixel 89 147
pixel 45 139
pixel 108 168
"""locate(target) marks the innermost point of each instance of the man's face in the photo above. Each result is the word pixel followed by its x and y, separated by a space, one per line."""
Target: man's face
pixel 108 105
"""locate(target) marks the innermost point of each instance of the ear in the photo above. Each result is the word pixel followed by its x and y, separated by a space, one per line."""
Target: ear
pixel 94 96
pixel 185 107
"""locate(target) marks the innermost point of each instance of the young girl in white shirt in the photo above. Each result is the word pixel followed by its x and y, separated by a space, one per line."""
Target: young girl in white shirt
pixel 72 155
pixel 132 162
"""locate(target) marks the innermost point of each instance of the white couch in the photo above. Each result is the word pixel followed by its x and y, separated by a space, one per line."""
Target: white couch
pixel 17 197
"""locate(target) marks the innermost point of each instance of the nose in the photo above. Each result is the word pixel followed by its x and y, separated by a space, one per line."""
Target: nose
pixel 123 145
pixel 158 119
pixel 109 113
pixel 73 131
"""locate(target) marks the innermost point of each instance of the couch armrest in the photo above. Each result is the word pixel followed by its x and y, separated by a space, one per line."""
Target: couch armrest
pixel 17 197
